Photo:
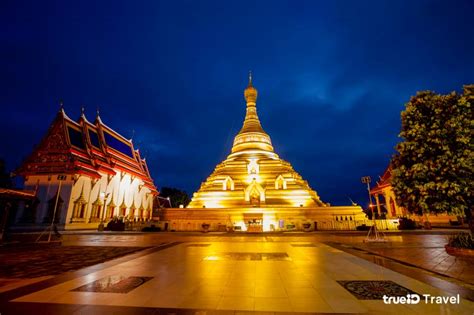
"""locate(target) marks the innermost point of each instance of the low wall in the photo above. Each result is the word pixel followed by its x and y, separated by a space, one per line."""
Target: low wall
pixel 273 219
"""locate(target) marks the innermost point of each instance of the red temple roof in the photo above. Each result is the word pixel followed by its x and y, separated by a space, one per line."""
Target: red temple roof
pixel 7 193
pixel 383 182
pixel 86 148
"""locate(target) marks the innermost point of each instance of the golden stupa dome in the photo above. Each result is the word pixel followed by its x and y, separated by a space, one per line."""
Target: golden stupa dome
pixel 250 92
pixel 252 178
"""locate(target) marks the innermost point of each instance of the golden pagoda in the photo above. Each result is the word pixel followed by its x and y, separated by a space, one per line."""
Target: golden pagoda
pixel 254 190
pixel 253 175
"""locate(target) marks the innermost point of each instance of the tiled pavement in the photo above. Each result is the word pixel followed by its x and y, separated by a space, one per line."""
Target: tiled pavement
pixel 417 248
pixel 207 280
pixel 430 258
pixel 24 265
pixel 39 261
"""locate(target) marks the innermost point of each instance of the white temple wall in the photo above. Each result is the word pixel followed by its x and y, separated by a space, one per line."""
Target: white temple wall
pixel 112 190
pixel 119 188
pixel 47 186
pixel 135 192
pixel 124 187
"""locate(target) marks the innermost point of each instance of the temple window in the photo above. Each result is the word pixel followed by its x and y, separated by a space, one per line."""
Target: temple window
pixel 253 167
pixel 82 211
pixel 96 212
pixel 93 211
pixel 123 210
pixel 79 209
pixel 228 184
pixel 110 211
pixel 280 182
pixel 80 206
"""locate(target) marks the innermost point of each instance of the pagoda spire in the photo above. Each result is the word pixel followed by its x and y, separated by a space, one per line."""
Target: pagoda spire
pixel 252 136
pixel 250 93
pixel 253 178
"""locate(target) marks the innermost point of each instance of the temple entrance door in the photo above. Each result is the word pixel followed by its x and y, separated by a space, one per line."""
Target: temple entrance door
pixel 254 222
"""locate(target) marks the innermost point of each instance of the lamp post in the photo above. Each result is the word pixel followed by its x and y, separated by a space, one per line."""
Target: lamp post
pixel 367 180
pixel 103 196
pixel 373 235
pixel 60 178
pixel 167 198
pixel 52 227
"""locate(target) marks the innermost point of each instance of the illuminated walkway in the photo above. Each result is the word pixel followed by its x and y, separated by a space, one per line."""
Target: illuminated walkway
pixel 210 277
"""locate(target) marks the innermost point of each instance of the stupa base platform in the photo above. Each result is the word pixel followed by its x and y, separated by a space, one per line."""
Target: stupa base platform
pixel 264 219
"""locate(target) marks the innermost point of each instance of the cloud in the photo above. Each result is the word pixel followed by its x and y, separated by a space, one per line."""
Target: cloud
pixel 332 78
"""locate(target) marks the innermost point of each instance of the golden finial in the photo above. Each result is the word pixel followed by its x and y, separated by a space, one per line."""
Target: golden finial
pixel 250 92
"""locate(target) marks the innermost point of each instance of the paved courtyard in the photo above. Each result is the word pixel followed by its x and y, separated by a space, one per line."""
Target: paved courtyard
pixel 421 249
pixel 37 261
pixel 215 274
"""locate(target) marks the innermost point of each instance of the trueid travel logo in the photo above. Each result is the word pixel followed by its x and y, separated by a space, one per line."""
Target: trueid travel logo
pixel 416 298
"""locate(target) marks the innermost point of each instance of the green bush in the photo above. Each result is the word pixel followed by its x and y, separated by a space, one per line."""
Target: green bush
pixel 461 240
pixel 406 224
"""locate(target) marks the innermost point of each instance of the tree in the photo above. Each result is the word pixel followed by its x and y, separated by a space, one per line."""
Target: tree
pixel 432 171
pixel 177 197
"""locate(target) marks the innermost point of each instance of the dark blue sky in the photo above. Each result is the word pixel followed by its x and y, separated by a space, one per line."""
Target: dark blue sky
pixel 332 78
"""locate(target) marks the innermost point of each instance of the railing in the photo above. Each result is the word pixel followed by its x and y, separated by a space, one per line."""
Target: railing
pixel 135 226
pixel 385 224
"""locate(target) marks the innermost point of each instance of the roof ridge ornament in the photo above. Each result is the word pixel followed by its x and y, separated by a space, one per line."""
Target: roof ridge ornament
pixel 97 118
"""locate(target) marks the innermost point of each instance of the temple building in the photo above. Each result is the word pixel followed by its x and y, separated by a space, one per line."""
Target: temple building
pixel 387 207
pixel 385 204
pixel 84 173
pixel 254 189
